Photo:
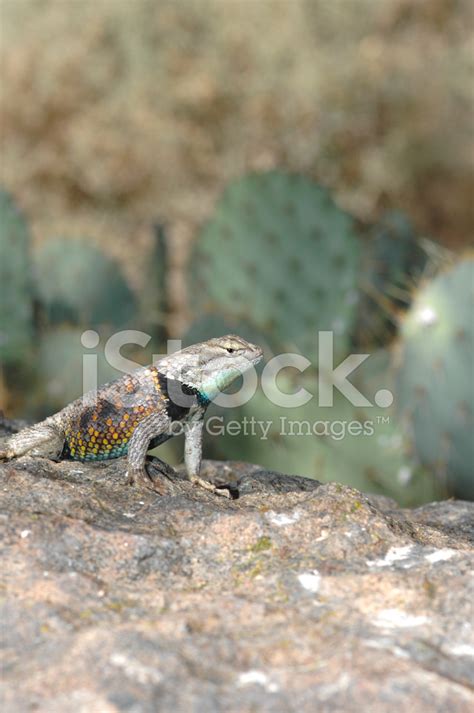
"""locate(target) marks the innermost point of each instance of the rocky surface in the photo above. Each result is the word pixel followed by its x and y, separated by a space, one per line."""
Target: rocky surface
pixel 294 597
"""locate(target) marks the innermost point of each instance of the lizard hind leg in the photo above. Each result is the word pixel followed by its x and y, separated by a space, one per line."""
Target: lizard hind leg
pixel 44 440
pixel 150 427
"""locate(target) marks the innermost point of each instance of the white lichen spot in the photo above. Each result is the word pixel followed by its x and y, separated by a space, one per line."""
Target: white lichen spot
pixel 135 669
pixel 327 691
pixel 259 678
pixel 280 518
pixel 129 514
pixel 324 535
pixel 395 554
pixel 440 555
pixel 462 650
pixel 384 646
pixel 398 619
pixel 310 581
pixel 24 534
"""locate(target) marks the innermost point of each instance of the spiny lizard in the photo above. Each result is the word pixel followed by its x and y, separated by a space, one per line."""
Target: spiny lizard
pixel 134 413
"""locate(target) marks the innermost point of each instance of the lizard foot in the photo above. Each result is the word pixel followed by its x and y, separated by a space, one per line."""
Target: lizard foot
pixel 222 491
pixel 164 468
pixel 139 477
pixel 6 455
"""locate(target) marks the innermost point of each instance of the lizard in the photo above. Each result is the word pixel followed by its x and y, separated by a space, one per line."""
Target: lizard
pixel 134 413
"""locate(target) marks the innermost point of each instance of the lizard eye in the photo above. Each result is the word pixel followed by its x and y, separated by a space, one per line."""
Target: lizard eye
pixel 229 350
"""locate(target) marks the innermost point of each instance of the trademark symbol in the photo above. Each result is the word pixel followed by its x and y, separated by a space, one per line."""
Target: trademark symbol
pixel 383 419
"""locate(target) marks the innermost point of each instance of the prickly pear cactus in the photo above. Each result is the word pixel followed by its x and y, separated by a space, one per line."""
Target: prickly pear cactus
pixel 281 255
pixel 394 261
pixel 60 368
pixel 16 306
pixel 77 284
pixel 376 459
pixel 261 431
pixel 435 383
pixel 65 368
pixel 363 448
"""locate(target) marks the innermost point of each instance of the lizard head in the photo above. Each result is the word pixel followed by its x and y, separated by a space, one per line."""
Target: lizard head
pixel 224 359
pixel 213 365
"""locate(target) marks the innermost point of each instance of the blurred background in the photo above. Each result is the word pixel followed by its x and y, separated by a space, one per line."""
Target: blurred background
pixel 272 168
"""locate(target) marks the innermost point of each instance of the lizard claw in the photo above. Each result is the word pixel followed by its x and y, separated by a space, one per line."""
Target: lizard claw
pixel 222 491
pixel 141 478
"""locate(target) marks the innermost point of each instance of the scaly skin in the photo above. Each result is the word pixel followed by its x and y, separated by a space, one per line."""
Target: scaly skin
pixel 134 413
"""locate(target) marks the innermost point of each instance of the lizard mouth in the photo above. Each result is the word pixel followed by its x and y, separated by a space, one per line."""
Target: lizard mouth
pixel 257 357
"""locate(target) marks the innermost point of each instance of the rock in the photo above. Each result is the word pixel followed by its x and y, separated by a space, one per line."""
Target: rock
pixel 296 596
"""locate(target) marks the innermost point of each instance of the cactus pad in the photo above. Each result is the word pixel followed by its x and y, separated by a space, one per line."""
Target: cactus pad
pixel 435 376
pixel 16 307
pixel 279 254
pixel 77 284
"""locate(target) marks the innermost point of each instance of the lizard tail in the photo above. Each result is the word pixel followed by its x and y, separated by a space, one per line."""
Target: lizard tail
pixel 45 439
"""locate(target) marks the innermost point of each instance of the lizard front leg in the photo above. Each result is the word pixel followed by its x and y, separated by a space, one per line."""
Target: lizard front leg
pixel 193 456
pixel 151 427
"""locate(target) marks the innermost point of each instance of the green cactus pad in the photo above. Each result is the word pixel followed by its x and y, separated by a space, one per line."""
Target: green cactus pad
pixel 363 448
pixel 16 306
pixel 279 254
pixel 435 381
pixel 77 284
pixel 60 367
